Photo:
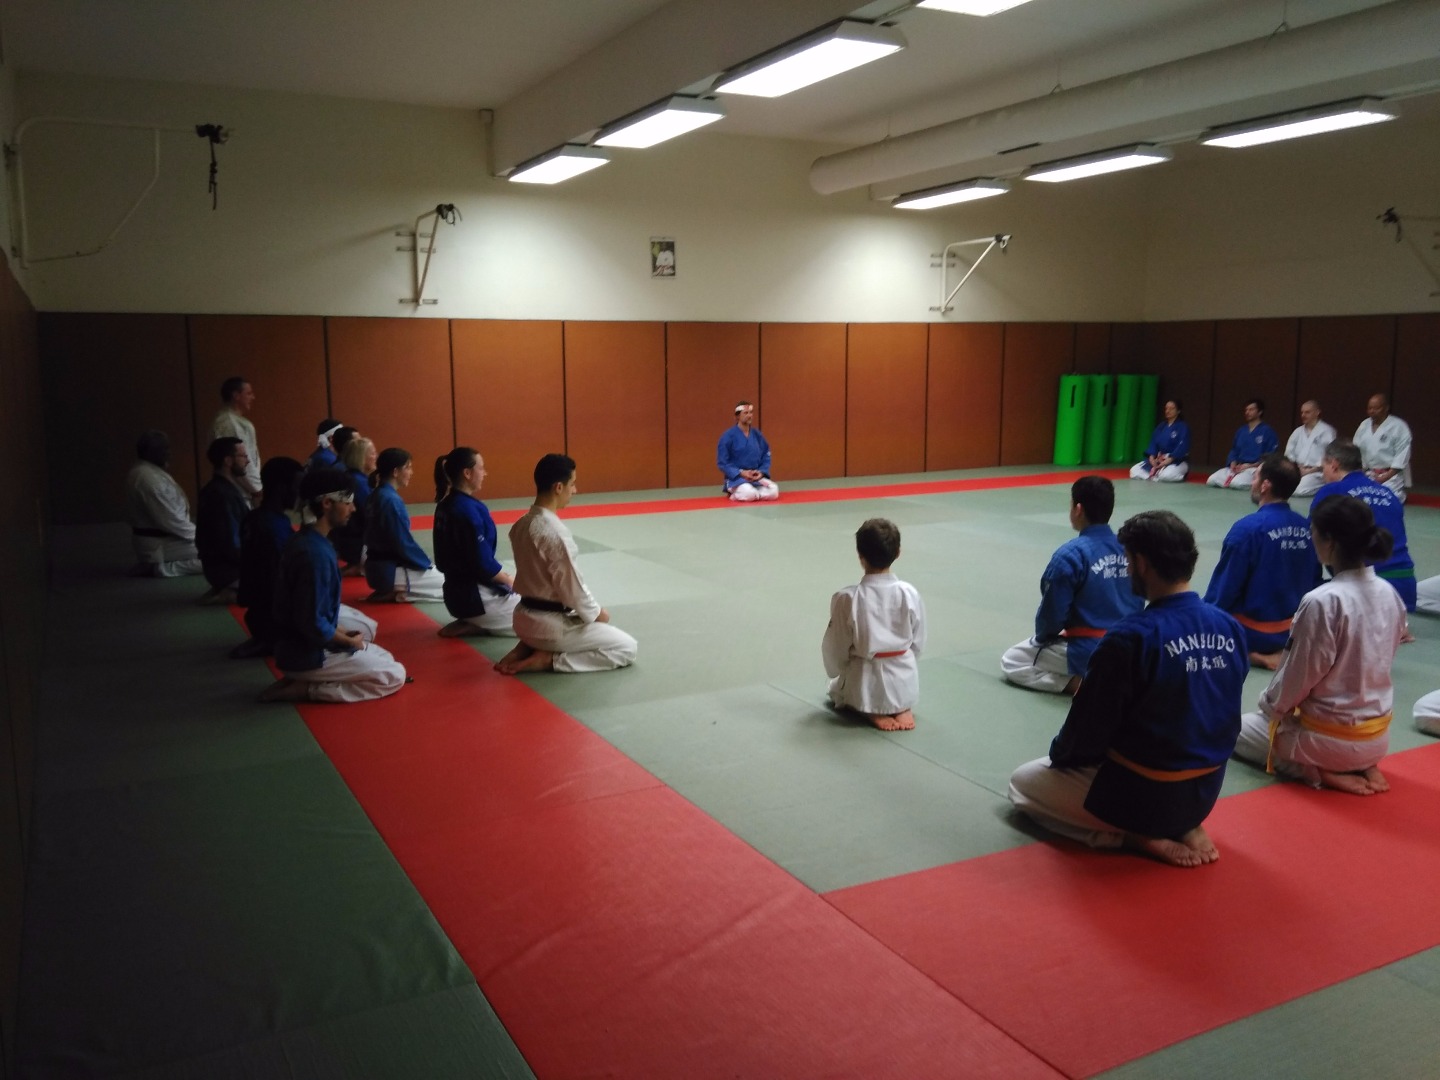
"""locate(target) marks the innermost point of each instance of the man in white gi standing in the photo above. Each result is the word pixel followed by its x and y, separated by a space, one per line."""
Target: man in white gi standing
pixel 1384 442
pixel 1306 448
pixel 159 513
pixel 230 422
pixel 560 625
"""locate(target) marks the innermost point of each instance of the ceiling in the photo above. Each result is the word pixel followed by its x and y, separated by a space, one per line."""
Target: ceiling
pixel 554 70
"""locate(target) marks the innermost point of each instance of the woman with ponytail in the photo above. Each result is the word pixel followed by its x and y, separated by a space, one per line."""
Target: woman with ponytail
pixel 479 594
pixel 1325 716
pixel 396 567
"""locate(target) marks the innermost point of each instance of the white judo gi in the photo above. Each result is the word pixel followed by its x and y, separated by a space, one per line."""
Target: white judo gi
pixel 229 424
pixel 1336 673
pixel 545 570
pixel 876 634
pixel 1427 713
pixel 154 504
pixel 1387 447
pixel 1307 448
pixel 1427 595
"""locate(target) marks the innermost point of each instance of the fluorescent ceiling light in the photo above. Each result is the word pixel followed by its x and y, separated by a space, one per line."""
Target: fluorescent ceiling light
pixel 1106 161
pixel 828 51
pixel 1294 125
pixel 971 7
pixel 947 194
pixel 559 164
pixel 661 121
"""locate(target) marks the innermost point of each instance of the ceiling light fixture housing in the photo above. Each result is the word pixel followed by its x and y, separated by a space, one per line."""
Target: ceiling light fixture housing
pixel 1105 161
pixel 949 194
pixel 1337 116
pixel 663 120
pixel 828 51
pixel 559 164
pixel 971 7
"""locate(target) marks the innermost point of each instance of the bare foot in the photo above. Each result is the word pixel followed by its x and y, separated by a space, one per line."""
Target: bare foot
pixel 217 598
pixel 287 689
pixel 1167 851
pixel 381 596
pixel 524 658
pixel 1268 661
pixel 353 570
pixel 1198 841
pixel 460 628
pixel 1351 783
pixel 1072 687
pixel 904 721
pixel 249 648
pixel 1407 638
pixel 1376 779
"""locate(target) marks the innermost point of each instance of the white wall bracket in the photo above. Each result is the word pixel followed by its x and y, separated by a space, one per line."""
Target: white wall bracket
pixel 445 212
pixel 1000 240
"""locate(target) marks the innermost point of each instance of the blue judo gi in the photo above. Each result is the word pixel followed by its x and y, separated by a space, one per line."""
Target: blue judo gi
pixel 1389 513
pixel 1085 587
pixel 1267 564
pixel 736 452
pixel 307 601
pixel 465 552
pixel 388 541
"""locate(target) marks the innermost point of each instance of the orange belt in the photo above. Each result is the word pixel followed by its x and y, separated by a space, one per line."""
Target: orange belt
pixel 1169 776
pixel 1280 626
pixel 1356 732
pixel 888 655
pixel 1082 631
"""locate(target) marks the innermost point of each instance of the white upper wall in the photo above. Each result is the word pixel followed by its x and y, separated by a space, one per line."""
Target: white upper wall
pixel 312 190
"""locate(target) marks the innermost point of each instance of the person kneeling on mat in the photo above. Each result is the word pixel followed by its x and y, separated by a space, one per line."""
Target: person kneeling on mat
pixel 326 650
pixel 1141 757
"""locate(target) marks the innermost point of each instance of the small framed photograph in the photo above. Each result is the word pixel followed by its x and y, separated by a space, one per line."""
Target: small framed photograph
pixel 662 256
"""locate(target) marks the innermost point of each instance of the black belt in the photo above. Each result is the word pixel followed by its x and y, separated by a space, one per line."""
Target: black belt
pixel 158 534
pixel 536 604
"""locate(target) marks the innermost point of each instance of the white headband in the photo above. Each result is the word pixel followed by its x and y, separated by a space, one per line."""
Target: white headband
pixel 324 436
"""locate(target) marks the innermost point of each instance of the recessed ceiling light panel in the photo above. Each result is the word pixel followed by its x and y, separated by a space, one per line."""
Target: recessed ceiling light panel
pixel 559 164
pixel 949 194
pixel 1296 125
pixel 664 120
pixel 829 51
pixel 1106 161
pixel 972 7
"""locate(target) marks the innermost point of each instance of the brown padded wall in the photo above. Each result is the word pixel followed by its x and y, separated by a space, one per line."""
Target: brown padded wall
pixel 885 407
pixel 509 400
pixel 1036 355
pixel 1183 355
pixel 962 429
pixel 1092 349
pixel 1343 360
pixel 802 398
pixel 390 378
pixel 1253 358
pixel 615 404
pixel 708 368
pixel 1417 393
pixel 106 379
pixel 283 357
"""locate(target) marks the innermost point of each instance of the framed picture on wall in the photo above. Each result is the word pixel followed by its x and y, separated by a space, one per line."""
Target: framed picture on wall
pixel 662 256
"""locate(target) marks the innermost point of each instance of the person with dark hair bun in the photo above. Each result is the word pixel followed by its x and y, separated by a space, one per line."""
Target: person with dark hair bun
pixel 1343 474
pixel 1084 590
pixel 1266 563
pixel 478 593
pixel 396 567
pixel 1253 440
pixel 1325 717
pixel 264 532
pixel 1167 458
pixel 1141 757
pixel 875 635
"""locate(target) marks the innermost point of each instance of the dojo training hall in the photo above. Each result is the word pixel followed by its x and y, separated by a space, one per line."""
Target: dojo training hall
pixel 689 867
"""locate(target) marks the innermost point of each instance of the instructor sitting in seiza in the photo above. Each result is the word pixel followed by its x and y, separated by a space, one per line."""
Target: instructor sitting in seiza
pixel 1084 591
pixel 1253 440
pixel 744 459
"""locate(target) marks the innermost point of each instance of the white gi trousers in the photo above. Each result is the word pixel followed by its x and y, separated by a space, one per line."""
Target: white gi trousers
pixel 422 585
pixel 764 490
pixel 1427 595
pixel 1300 753
pixel 1055 798
pixel 165 557
pixel 1221 478
pixel 369 673
pixel 1427 713
pixel 1037 667
pixel 1396 484
pixel 578 646
pixel 499 615
pixel 1169 474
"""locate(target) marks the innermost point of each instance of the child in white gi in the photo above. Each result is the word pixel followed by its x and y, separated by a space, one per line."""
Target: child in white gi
pixel 876 633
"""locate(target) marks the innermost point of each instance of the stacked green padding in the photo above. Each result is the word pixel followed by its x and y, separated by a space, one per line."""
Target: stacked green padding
pixel 1122 420
pixel 1070 419
pixel 1146 414
pixel 1098 409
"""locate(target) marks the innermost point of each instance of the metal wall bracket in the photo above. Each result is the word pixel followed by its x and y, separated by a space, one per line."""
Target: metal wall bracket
pixel 948 258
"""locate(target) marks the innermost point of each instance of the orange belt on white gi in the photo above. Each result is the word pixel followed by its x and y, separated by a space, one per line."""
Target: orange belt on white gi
pixel 888 655
pixel 1357 732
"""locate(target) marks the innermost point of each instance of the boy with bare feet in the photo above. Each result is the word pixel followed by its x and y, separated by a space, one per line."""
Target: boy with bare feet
pixel 1141 757
pixel 876 633
pixel 560 625
pixel 1325 716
